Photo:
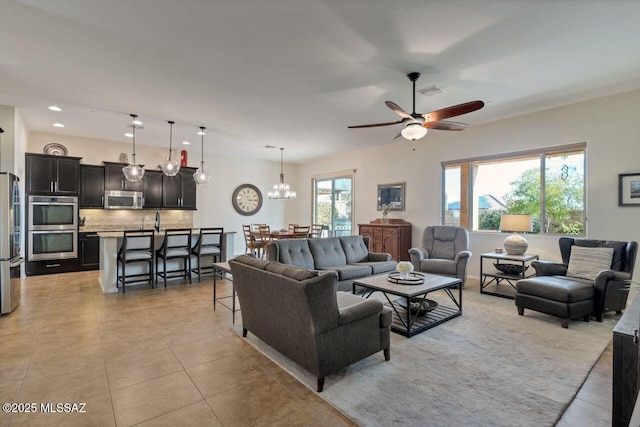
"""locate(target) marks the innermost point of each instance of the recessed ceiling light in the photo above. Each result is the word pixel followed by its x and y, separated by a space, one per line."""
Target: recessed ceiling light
pixel 58 125
pixel 128 135
pixel 186 143
pixel 269 146
pixel 55 108
pixel 200 133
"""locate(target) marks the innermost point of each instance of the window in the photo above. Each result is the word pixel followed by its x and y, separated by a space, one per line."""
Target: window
pixel 332 206
pixel 548 184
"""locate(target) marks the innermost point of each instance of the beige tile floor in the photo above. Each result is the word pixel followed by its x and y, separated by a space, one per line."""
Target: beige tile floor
pixel 164 357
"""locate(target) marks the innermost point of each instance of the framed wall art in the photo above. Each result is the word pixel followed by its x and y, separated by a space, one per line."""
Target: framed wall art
pixel 629 189
pixel 391 196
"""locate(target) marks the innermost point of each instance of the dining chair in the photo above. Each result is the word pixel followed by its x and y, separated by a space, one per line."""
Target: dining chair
pixel 316 230
pixel 291 227
pixel 301 232
pixel 137 247
pixel 176 245
pixel 209 244
pixel 265 238
pixel 253 244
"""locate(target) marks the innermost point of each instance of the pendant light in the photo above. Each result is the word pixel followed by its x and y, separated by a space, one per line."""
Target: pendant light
pixel 281 191
pixel 133 172
pixel 201 176
pixel 170 167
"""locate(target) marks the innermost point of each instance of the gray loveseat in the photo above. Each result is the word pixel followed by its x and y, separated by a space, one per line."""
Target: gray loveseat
pixel 349 256
pixel 299 313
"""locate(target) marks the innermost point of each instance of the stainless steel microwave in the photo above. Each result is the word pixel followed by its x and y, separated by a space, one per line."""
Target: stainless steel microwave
pixel 123 199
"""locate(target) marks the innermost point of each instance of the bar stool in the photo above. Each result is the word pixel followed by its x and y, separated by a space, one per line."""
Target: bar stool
pixel 209 243
pixel 176 245
pixel 137 247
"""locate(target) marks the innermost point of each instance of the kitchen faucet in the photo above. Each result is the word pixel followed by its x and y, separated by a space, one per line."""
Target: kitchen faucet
pixel 157 225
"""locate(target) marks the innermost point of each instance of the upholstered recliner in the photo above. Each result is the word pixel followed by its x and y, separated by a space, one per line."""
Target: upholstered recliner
pixel 444 251
pixel 562 290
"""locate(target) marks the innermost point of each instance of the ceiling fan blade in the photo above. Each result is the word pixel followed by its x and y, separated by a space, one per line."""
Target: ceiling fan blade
pixel 444 125
pixel 375 125
pixel 454 110
pixel 399 111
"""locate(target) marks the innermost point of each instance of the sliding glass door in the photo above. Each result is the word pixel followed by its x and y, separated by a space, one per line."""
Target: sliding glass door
pixel 332 205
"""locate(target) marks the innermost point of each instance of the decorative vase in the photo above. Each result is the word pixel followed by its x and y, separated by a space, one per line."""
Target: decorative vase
pixel 183 158
pixel 385 220
pixel 404 275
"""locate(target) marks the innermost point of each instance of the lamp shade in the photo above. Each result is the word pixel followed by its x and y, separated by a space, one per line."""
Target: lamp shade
pixel 515 222
pixel 515 244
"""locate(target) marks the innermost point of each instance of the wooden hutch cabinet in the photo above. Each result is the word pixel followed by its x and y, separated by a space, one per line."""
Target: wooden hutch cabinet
pixel 393 238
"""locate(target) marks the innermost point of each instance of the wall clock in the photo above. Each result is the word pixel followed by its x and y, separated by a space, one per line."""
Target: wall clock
pixel 247 199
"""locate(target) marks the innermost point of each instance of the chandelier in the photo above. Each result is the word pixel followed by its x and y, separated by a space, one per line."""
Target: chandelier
pixel 201 176
pixel 170 167
pixel 281 191
pixel 132 172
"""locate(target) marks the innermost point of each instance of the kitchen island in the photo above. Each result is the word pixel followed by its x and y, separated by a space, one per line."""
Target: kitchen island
pixel 110 242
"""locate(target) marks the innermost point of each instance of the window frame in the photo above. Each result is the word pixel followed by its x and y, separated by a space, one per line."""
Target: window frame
pixel 466 180
pixel 345 174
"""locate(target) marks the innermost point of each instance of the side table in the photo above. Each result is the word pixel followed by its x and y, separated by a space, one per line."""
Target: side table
pixel 492 280
pixel 223 268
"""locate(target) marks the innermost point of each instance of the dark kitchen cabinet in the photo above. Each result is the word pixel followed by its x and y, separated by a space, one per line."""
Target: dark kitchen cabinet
pixel 179 192
pixel 153 189
pixel 89 251
pixel 58 175
pixel 91 186
pixel 114 178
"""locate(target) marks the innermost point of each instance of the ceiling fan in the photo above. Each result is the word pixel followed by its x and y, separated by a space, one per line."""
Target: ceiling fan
pixel 416 125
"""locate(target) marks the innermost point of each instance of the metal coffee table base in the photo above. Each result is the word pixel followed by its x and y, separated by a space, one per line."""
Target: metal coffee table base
pixel 408 324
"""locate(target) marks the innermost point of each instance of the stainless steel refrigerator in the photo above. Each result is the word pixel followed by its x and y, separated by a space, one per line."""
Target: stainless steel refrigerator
pixel 10 232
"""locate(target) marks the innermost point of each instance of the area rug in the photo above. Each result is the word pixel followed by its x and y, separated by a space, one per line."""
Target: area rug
pixel 489 367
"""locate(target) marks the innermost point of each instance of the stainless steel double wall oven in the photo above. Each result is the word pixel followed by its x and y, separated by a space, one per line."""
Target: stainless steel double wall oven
pixel 53 228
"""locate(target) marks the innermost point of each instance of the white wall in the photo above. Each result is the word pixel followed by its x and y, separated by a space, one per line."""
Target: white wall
pixel 213 200
pixel 7 151
pixel 609 126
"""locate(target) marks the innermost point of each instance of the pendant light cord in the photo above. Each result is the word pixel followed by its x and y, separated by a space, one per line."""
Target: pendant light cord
pixel 133 124
pixel 170 137
pixel 202 128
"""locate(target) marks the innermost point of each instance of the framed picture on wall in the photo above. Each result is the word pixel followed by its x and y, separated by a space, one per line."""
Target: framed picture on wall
pixel 629 189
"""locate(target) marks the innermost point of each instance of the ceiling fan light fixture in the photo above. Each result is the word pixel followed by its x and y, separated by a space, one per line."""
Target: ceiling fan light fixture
pixel 414 131
pixel 132 172
pixel 170 167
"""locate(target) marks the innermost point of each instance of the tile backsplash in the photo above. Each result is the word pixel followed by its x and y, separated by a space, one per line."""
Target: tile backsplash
pixel 123 219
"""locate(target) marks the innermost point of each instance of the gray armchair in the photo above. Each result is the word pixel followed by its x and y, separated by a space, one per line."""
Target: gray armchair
pixel 444 251
pixel 553 292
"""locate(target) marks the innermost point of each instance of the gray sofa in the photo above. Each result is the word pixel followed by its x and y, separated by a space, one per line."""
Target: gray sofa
pixel 349 256
pixel 299 313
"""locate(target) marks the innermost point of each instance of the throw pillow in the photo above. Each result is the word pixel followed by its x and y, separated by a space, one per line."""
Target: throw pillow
pixel 586 263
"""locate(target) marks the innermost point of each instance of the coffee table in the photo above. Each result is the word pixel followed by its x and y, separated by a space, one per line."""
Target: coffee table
pixel 404 322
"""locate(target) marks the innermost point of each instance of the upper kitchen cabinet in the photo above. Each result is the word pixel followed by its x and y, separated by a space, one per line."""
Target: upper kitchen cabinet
pixel 153 189
pixel 91 186
pixel 57 175
pixel 114 178
pixel 179 192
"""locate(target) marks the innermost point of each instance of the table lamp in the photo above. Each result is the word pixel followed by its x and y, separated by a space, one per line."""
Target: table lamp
pixel 515 244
